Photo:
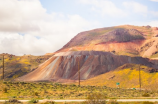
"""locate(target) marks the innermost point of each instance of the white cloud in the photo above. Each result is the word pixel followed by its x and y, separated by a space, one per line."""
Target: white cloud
pixel 17 44
pixel 136 7
pixel 154 0
pixel 104 7
pixel 153 23
pixel 20 15
pixel 154 13
pixel 42 32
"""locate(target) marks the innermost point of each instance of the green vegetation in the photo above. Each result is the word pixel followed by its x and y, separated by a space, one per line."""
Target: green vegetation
pixel 33 101
pixel 108 102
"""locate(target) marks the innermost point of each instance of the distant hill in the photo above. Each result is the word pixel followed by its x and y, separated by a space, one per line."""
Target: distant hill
pixel 128 77
pixel 16 66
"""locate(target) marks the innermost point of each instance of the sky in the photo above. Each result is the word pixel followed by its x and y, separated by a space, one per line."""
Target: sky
pixel 38 27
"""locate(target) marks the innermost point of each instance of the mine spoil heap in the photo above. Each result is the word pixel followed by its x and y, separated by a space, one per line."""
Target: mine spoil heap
pixel 64 65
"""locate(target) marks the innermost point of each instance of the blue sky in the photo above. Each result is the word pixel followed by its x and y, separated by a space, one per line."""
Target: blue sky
pixel 44 26
pixel 78 7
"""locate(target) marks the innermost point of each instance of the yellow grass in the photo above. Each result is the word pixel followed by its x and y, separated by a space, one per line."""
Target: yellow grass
pixel 127 78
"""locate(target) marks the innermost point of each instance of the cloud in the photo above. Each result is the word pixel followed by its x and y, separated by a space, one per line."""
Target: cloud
pixel 26 28
pixel 154 0
pixel 153 23
pixel 14 43
pixel 136 7
pixel 104 7
pixel 20 15
pixel 154 13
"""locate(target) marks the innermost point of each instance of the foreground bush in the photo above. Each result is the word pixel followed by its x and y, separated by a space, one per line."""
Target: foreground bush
pixel 146 95
pixel 96 98
pixel 147 102
pixel 33 101
pixel 49 102
pixel 5 90
pixel 12 101
pixel 112 102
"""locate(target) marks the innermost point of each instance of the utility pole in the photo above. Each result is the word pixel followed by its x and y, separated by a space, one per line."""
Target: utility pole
pixel 139 77
pixel 3 67
pixel 78 73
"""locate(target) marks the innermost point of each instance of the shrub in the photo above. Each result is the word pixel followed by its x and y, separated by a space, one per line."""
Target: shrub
pixel 49 102
pixel 5 90
pixel 13 96
pixel 146 95
pixel 4 82
pixel 14 101
pixel 36 93
pixel 96 98
pixel 112 102
pixel 147 102
pixel 33 101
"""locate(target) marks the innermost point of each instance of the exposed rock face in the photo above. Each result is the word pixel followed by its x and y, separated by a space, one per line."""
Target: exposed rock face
pixel 150 47
pixel 91 63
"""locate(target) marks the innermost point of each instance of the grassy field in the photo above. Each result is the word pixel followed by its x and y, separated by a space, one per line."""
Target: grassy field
pixel 109 102
pixel 43 90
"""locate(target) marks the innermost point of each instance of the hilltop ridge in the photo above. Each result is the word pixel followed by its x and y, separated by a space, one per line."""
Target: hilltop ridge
pixel 123 40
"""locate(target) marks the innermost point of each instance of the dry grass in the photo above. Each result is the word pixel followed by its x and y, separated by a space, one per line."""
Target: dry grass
pixel 127 77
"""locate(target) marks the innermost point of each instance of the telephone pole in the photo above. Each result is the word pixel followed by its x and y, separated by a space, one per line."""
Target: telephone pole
pixel 78 73
pixel 3 68
pixel 139 77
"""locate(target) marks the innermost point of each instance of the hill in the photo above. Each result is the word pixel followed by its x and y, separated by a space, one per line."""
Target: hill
pixel 16 66
pixel 123 40
pixel 64 66
pixel 99 51
pixel 128 77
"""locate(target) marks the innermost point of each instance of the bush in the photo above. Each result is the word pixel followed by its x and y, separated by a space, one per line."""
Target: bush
pixel 112 102
pixel 147 102
pixel 146 95
pixel 14 101
pixel 36 93
pixel 33 101
pixel 49 102
pixel 96 98
pixel 4 82
pixel 5 90
pixel 13 96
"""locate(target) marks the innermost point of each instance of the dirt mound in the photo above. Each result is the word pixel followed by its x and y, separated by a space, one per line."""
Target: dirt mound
pixel 72 53
pixel 66 67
